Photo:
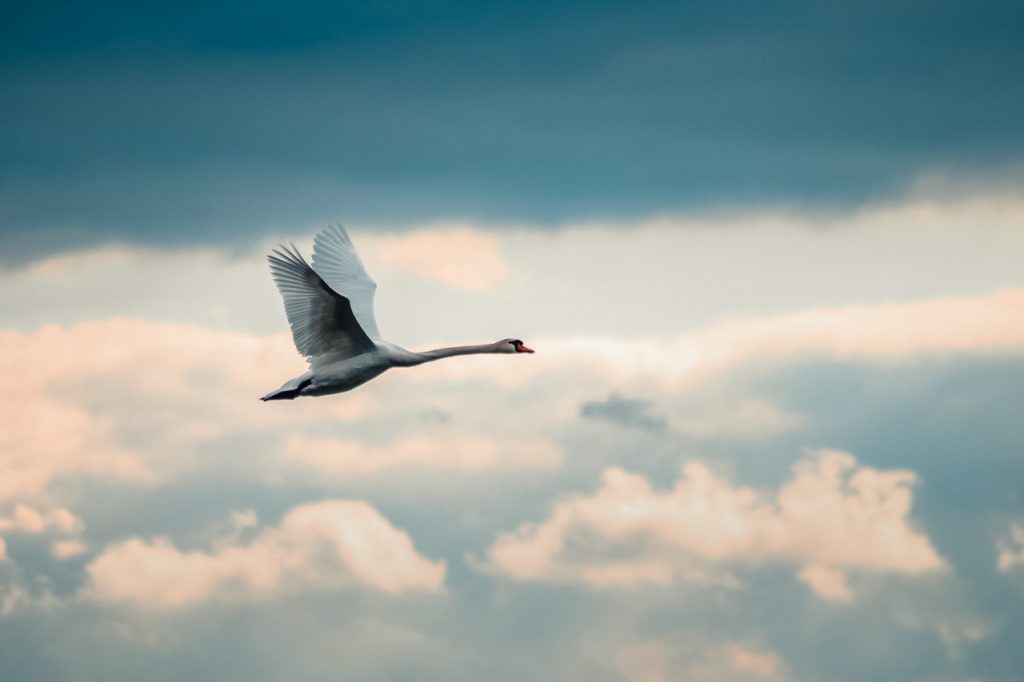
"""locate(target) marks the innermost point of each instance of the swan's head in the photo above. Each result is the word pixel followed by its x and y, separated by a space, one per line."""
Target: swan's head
pixel 512 346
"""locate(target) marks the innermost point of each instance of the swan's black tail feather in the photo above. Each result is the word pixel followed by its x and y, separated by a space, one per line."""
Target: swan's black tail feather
pixel 286 393
pixel 282 395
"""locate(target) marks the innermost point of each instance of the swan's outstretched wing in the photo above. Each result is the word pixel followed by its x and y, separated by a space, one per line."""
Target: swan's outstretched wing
pixel 335 258
pixel 321 319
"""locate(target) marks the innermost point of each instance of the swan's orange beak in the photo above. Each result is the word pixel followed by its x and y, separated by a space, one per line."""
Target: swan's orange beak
pixel 523 349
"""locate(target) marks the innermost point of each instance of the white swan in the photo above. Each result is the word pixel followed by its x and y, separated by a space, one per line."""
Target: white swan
pixel 330 310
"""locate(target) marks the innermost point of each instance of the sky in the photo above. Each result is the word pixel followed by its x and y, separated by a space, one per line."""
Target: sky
pixel 769 256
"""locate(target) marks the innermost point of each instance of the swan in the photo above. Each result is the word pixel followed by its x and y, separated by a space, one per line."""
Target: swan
pixel 329 306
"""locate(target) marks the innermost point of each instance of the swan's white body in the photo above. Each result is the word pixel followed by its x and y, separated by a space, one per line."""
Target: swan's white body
pixel 330 310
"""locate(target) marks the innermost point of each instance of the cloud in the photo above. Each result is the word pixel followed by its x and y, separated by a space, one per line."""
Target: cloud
pixel 99 398
pixel 457 256
pixel 329 545
pixel 827 582
pixel 468 452
pixel 66 549
pixel 758 663
pixel 706 416
pixel 623 411
pixel 1010 548
pixel 26 519
pixel 660 661
pixel 732 416
pixel 831 517
pixel 62 526
pixel 579 280
pixel 129 398
pixel 893 332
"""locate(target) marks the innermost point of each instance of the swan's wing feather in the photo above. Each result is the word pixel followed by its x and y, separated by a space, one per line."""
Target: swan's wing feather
pixel 321 319
pixel 336 259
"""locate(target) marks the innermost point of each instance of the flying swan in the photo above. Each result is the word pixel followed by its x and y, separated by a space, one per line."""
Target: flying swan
pixel 330 310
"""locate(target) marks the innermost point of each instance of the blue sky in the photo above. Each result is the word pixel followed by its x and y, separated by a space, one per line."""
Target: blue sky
pixel 768 254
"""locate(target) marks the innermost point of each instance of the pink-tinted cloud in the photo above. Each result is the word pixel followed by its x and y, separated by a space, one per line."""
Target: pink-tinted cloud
pixel 827 582
pixel 129 398
pixel 27 519
pixel 661 661
pixel 329 545
pixel 756 662
pixel 895 332
pixel 454 255
pixel 833 515
pixel 62 526
pixel 66 549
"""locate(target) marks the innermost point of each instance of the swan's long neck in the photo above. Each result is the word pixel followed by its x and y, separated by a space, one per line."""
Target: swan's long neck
pixel 439 353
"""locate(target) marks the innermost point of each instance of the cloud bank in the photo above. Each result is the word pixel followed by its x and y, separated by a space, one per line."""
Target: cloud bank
pixel 833 516
pixel 322 546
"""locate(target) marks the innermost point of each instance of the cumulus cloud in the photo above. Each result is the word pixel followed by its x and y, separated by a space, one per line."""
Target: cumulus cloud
pixel 27 519
pixel 831 517
pixel 827 582
pixel 1010 548
pixel 62 526
pixel 329 545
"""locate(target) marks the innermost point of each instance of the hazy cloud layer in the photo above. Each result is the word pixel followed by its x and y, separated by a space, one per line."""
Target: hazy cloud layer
pixel 606 278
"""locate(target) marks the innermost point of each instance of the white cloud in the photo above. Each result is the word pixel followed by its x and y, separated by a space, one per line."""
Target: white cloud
pixel 832 516
pixel 1010 548
pixel 329 545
